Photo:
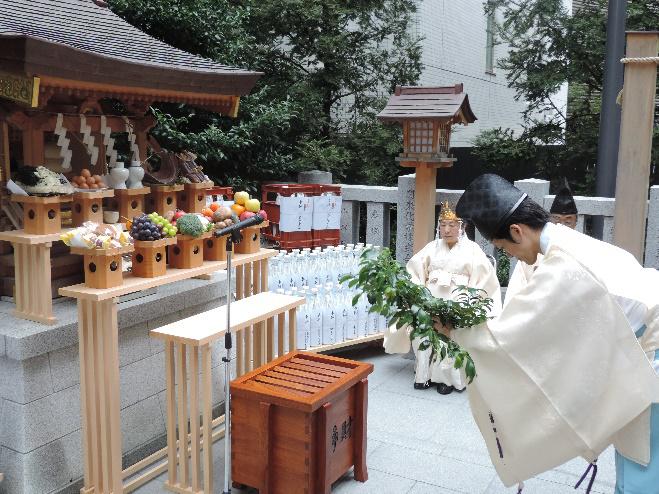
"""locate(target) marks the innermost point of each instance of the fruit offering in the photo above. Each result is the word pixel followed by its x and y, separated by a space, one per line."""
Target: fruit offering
pixel 87 181
pixel 151 227
pixel 246 207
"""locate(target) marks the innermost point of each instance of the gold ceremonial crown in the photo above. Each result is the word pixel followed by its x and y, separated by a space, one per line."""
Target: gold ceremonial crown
pixel 447 213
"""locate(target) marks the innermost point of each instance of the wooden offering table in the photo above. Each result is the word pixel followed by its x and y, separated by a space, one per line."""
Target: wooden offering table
pixel 33 291
pixel 193 197
pixel 163 198
pixel 41 215
pixel 188 338
pixel 98 340
pixel 299 424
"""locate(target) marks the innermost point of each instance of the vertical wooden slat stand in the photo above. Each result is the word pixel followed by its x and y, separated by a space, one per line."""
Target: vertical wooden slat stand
pixel 88 206
pixel 130 202
pixel 163 198
pixel 184 341
pixel 99 381
pixel 33 295
pixel 193 197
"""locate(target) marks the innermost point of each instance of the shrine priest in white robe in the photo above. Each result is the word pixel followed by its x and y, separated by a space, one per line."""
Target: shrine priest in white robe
pixel 449 261
pixel 571 365
pixel 563 211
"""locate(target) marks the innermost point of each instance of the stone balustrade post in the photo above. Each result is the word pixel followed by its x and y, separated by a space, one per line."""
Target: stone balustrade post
pixel 377 223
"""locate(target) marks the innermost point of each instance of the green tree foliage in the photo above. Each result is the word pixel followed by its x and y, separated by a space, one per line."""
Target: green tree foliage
pixel 549 47
pixel 326 65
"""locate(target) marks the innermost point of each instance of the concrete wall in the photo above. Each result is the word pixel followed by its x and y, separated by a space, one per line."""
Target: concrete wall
pixel 40 437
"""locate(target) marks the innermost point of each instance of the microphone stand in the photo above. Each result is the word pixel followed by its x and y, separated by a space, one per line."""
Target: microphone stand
pixel 234 237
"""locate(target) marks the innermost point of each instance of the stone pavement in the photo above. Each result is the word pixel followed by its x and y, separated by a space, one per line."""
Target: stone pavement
pixel 420 442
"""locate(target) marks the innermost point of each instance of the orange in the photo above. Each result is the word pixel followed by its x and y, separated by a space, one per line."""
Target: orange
pixel 207 212
pixel 214 206
pixel 238 209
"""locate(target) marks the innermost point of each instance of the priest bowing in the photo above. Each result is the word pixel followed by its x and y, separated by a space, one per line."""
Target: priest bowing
pixel 571 364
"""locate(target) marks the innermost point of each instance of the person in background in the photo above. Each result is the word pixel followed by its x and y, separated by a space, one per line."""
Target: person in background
pixel 449 261
pixel 563 211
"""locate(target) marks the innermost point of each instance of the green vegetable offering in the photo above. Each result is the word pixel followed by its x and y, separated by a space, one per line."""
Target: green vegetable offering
pixel 392 294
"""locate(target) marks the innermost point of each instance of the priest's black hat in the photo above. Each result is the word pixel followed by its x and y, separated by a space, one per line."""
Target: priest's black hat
pixel 563 202
pixel 488 202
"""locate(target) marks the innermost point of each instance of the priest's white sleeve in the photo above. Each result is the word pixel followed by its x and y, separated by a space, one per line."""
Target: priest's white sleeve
pixel 560 371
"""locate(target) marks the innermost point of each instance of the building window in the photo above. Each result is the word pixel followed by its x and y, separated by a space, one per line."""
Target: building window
pixel 489 44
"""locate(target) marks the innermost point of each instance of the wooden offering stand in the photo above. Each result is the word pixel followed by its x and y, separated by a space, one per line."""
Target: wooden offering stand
pixel 88 206
pixel 98 337
pixel 130 202
pixel 41 215
pixel 188 252
pixel 193 197
pixel 103 266
pixel 149 257
pixel 188 338
pixel 215 248
pixel 163 198
pixel 33 290
pixel 308 412
pixel 251 241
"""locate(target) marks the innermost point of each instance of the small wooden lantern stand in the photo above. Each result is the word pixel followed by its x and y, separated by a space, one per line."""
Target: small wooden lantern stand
pixel 41 215
pixel 251 241
pixel 103 266
pixel 88 206
pixel 149 257
pixel 427 115
pixel 130 202
pixel 188 251
pixel 163 198
pixel 193 197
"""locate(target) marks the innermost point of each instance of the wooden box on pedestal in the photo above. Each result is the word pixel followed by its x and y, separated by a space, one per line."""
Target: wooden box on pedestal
pixel 188 251
pixel 251 242
pixel 193 197
pixel 215 248
pixel 130 202
pixel 41 215
pixel 163 198
pixel 103 267
pixel 299 423
pixel 88 206
pixel 150 257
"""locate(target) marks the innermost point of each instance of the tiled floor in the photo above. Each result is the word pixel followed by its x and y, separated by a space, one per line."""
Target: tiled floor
pixel 420 442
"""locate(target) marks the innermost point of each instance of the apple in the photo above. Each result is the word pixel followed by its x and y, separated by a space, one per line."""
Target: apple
pixel 263 215
pixel 246 214
pixel 241 197
pixel 178 214
pixel 253 205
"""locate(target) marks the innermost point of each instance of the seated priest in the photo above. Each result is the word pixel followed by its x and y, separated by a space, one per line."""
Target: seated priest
pixel 449 261
pixel 563 211
pixel 571 364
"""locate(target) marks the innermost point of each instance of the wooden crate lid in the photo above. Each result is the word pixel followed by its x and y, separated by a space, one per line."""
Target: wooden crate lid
pixel 300 380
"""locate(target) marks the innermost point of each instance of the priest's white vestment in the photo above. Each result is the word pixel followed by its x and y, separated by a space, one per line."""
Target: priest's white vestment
pixel 442 269
pixel 560 370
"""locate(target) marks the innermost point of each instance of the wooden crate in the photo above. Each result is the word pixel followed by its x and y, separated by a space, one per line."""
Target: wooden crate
pixel 215 248
pixel 163 198
pixel 88 206
pixel 193 197
pixel 299 424
pixel 251 242
pixel 129 202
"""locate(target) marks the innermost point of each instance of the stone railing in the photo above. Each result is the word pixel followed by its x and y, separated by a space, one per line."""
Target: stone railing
pixel 379 222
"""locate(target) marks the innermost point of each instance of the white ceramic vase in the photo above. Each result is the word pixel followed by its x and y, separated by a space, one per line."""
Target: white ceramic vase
pixel 135 175
pixel 118 175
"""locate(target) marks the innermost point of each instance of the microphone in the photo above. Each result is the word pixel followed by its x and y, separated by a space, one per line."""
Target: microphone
pixel 232 229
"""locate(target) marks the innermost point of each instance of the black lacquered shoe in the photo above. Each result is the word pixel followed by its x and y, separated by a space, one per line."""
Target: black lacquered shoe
pixel 444 389
pixel 424 385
